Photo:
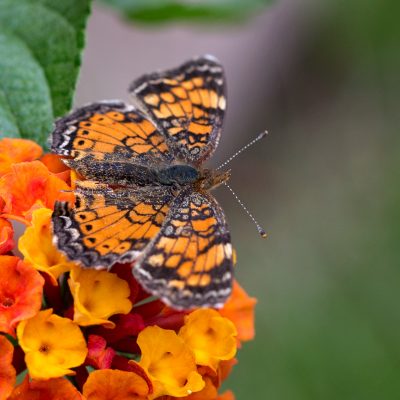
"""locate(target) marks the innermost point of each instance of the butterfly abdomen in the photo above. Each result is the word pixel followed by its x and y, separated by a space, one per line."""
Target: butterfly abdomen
pixel 126 173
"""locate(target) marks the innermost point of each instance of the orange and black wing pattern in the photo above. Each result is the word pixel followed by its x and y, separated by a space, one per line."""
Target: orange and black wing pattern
pixel 187 104
pixel 109 130
pixel 190 262
pixel 109 225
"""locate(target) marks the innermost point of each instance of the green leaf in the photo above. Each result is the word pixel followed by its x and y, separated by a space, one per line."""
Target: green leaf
pixel 40 47
pixel 154 11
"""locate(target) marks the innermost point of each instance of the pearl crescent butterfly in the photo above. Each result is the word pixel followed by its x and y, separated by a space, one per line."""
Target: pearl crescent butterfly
pixel 144 197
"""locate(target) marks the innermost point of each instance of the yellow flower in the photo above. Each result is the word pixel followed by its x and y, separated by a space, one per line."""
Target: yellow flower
pixel 211 337
pixel 168 362
pixel 97 296
pixel 37 247
pixel 52 345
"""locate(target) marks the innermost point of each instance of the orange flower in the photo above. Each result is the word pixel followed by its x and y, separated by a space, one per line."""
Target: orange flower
pixel 209 392
pixel 6 236
pixel 56 166
pixel 98 295
pixel 228 395
pixel 7 371
pixel 52 345
pixel 29 186
pixel 21 289
pixel 13 151
pixel 36 244
pixel 168 362
pixel 211 337
pixel 240 310
pixel 108 384
pixel 53 389
pixel 213 380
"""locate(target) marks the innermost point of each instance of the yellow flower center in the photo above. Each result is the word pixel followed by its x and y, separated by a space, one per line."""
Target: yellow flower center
pixel 44 349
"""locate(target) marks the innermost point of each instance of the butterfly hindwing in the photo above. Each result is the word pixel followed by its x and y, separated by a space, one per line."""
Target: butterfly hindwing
pixel 187 104
pixel 108 225
pixel 189 263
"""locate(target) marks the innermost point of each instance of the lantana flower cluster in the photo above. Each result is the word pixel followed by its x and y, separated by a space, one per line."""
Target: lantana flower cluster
pixel 71 333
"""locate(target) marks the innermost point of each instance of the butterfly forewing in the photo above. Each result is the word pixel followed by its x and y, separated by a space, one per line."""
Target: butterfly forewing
pixel 109 130
pixel 188 104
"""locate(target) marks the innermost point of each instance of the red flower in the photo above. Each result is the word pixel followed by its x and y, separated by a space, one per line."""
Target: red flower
pixel 99 355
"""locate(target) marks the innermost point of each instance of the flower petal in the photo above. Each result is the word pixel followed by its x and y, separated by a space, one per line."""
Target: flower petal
pixel 240 310
pixel 31 185
pixel 228 395
pixel 108 384
pixel 54 164
pixel 52 345
pixel 7 371
pixel 211 337
pixel 6 236
pixel 13 151
pixel 99 355
pixel 36 244
pixel 21 289
pixel 127 326
pixel 209 392
pixel 169 363
pixel 98 295
pixel 52 389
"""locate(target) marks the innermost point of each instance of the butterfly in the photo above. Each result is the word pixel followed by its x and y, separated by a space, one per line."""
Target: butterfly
pixel 145 194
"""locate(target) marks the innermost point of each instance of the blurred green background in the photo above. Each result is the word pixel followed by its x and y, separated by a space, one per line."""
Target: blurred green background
pixel 323 78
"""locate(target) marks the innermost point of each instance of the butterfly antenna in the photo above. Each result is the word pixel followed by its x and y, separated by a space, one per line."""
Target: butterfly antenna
pixel 260 136
pixel 261 231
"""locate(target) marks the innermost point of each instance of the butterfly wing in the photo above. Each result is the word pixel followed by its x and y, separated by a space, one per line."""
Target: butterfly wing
pixel 189 263
pixel 188 104
pixel 106 130
pixel 108 225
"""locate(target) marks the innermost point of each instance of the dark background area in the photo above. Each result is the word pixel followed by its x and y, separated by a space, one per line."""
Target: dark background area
pixel 323 78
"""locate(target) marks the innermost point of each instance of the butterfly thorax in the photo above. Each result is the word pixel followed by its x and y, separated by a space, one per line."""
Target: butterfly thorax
pixel 177 174
pixel 181 175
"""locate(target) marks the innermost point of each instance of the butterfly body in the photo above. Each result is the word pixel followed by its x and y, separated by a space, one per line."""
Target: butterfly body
pixel 145 194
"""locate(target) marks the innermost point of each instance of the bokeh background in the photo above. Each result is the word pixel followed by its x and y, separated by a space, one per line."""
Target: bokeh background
pixel 323 77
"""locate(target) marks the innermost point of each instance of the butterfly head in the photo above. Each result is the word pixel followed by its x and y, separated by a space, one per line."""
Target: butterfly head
pixel 210 179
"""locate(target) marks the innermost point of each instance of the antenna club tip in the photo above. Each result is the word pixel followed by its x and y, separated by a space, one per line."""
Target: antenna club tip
pixel 263 234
